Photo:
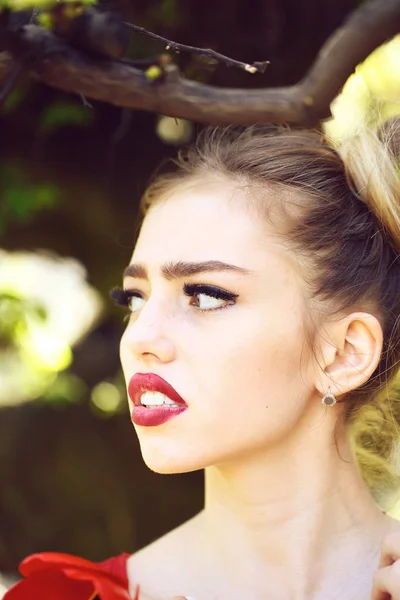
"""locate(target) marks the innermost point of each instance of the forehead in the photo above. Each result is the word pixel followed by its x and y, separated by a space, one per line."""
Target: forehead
pixel 202 223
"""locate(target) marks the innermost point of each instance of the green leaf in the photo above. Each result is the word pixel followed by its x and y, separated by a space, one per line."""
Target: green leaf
pixel 14 100
pixel 46 196
pixel 21 5
pixel 18 202
pixel 17 5
pixel 21 200
pixel 63 114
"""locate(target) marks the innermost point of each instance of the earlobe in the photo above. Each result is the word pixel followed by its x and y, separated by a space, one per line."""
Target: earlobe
pixel 357 339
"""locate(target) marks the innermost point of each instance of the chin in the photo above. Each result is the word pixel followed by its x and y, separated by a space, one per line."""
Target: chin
pixel 169 467
pixel 163 462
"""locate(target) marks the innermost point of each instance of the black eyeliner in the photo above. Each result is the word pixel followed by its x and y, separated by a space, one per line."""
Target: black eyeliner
pixel 121 296
pixel 210 290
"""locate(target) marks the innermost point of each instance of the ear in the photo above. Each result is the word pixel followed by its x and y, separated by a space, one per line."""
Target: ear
pixel 350 352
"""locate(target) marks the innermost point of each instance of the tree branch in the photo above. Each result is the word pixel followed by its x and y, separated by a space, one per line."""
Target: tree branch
pixel 119 83
pixel 255 67
pixel 374 23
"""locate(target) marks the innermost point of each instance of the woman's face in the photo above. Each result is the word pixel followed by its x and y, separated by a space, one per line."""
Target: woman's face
pixel 238 360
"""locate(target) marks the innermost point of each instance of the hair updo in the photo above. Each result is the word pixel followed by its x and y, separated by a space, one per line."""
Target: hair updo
pixel 344 223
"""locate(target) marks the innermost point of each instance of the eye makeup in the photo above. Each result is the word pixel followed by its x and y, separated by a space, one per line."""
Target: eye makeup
pixel 191 289
pixel 123 297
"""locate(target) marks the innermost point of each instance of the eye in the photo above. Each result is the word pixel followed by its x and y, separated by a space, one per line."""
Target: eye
pixel 203 297
pixel 205 302
pixel 129 298
pixel 208 297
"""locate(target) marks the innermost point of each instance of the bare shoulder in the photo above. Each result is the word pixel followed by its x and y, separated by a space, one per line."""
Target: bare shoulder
pixel 166 563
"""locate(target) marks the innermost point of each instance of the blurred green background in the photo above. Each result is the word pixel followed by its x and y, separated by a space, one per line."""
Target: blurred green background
pixel 71 475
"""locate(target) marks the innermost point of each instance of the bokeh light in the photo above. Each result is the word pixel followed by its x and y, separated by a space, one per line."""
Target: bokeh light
pixel 107 398
pixel 174 131
pixel 46 307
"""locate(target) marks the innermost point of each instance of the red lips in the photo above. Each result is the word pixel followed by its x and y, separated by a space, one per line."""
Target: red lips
pixel 149 382
pixel 153 416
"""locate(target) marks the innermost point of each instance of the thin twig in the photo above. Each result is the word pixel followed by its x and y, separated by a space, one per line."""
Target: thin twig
pixel 85 101
pixel 117 82
pixel 255 67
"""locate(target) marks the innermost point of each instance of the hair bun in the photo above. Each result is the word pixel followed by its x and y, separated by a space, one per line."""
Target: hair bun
pixel 389 134
pixel 371 160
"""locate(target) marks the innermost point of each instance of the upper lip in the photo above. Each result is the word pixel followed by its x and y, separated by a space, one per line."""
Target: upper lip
pixel 150 382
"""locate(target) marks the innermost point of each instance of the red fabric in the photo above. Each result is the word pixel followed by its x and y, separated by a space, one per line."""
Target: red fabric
pixel 116 564
pixel 54 575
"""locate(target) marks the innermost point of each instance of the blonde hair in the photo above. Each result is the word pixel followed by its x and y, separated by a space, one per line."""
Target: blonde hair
pixel 371 161
pixel 345 221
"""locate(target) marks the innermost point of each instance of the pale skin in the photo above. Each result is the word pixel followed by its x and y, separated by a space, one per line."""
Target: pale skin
pixel 287 515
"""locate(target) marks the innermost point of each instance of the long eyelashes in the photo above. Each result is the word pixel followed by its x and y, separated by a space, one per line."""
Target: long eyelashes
pixel 123 297
pixel 208 290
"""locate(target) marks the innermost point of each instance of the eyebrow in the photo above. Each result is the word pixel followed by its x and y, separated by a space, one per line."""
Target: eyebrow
pixel 181 269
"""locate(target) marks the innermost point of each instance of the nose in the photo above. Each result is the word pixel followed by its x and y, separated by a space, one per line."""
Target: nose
pixel 148 337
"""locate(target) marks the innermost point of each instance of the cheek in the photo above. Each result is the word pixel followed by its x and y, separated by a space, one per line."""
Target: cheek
pixel 254 344
pixel 255 367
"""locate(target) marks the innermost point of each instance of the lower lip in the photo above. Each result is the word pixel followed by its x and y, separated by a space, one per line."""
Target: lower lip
pixel 149 417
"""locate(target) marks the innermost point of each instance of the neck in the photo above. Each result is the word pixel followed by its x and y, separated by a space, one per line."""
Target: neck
pixel 297 515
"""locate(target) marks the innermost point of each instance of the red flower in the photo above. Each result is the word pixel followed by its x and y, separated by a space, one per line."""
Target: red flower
pixel 56 576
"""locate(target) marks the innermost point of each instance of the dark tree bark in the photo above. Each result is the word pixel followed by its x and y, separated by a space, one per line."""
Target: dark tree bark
pixel 119 83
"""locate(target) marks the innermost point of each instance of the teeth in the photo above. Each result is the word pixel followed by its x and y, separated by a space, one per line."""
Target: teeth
pixel 152 399
pixel 169 401
pixel 156 399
